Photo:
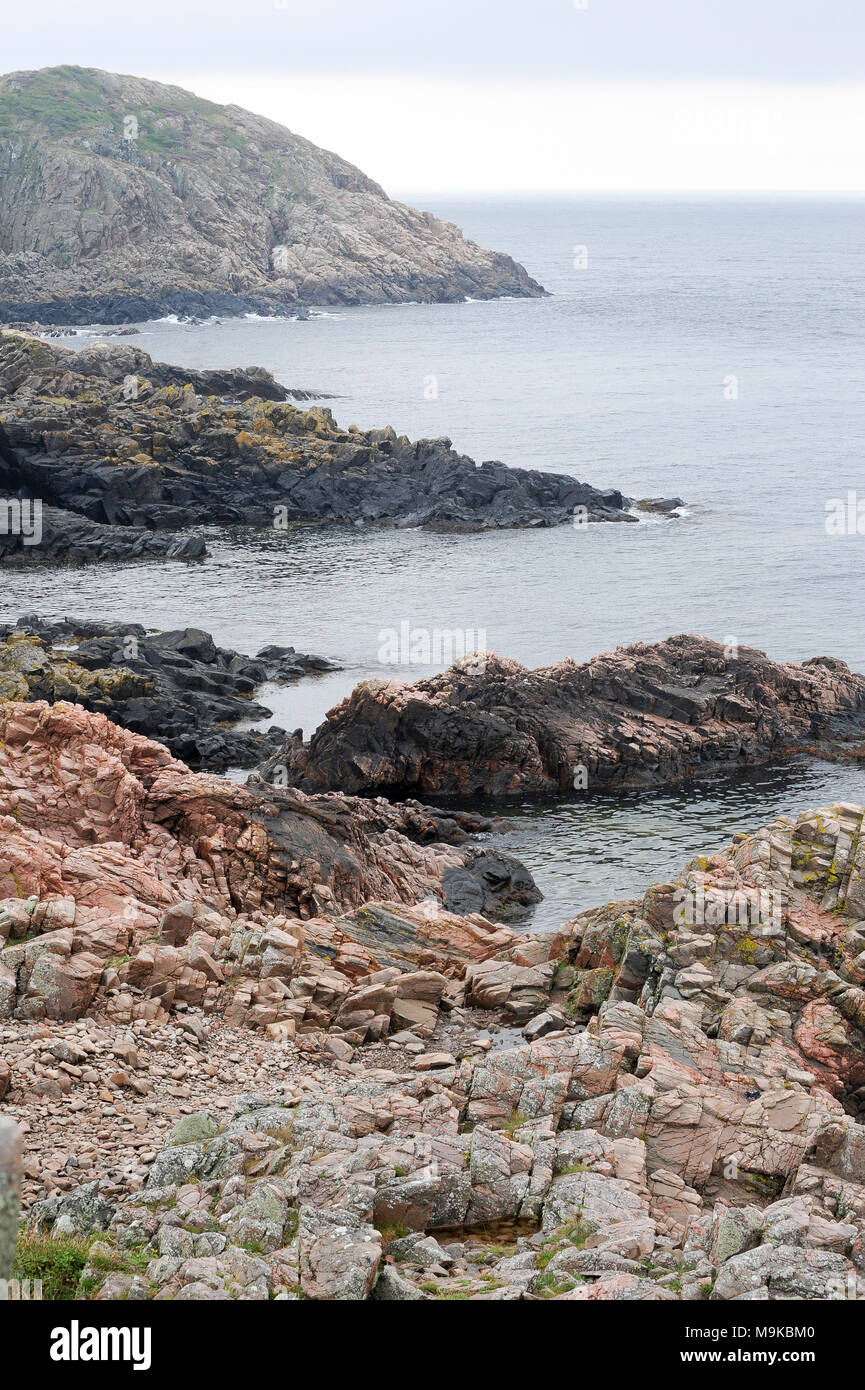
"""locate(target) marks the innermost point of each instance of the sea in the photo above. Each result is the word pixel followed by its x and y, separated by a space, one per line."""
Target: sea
pixel 711 349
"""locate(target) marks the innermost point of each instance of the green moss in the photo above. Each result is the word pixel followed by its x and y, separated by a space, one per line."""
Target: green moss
pixel 389 1233
pixel 63 101
pixel 551 1285
pixel 574 1233
pixel 67 102
pixel 132 1259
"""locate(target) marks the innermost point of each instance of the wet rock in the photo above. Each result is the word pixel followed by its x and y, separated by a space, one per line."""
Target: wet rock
pixel 641 716
pixel 541 1024
pixel 146 834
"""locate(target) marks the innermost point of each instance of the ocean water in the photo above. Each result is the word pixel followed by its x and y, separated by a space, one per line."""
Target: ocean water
pixel 710 349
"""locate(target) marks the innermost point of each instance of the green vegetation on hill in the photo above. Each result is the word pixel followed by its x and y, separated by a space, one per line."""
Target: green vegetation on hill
pixel 68 101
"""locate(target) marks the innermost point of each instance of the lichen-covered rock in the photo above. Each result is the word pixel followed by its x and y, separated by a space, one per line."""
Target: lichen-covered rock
pixel 339 1255
pixel 78 1212
pixel 176 686
pixel 161 458
pixel 193 1129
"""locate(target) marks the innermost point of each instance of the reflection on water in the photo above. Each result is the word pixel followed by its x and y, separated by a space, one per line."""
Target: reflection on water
pixel 597 850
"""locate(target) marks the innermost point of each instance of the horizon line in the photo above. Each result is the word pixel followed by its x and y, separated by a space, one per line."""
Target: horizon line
pixel 828 195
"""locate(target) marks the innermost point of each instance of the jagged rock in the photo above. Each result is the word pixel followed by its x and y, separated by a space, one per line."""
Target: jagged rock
pixel 239 383
pixel 130 871
pixel 785 1271
pixel 541 1024
pixel 65 537
pixel 391 1288
pixel 59 987
pixel 116 455
pixel 76 1213
pixel 176 686
pixel 641 716
pixel 500 984
pixel 661 1147
pixel 339 1255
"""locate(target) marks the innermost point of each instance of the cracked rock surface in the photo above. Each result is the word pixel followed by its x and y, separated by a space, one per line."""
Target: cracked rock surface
pixel 338 1094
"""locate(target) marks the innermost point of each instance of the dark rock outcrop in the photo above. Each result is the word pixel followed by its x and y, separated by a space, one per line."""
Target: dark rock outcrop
pixel 177 687
pixel 123 199
pixel 641 716
pixel 65 538
pixel 116 362
pixel 95 434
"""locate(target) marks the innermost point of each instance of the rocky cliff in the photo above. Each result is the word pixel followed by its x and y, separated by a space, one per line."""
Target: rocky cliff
pixel 123 199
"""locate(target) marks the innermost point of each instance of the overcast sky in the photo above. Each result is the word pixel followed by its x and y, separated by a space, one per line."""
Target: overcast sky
pixel 486 95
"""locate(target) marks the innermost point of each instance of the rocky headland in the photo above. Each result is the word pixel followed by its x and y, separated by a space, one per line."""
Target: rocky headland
pixel 253 1052
pixel 641 716
pixel 123 199
pixel 106 438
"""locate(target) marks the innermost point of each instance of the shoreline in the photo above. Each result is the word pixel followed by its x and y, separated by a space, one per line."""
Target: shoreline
pixel 106 438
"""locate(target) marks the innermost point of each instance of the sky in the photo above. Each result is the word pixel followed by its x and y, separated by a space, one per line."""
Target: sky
pixel 476 96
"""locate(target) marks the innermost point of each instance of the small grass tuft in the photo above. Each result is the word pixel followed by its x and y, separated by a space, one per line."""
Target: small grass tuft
pixel 57 1261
